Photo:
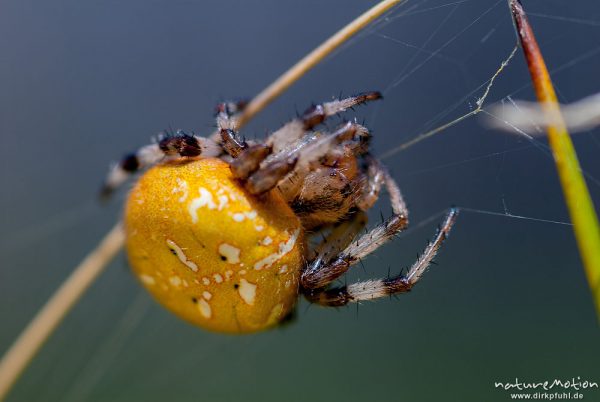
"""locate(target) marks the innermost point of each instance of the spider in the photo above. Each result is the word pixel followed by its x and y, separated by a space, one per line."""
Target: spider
pixel 218 229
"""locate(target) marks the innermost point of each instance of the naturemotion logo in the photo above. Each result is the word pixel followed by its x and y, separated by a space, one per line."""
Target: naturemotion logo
pixel 560 389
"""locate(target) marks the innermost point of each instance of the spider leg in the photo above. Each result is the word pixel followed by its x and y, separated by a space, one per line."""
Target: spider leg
pixel 231 108
pixel 248 161
pixel 300 157
pixel 267 177
pixel 263 166
pixel 340 236
pixel 377 177
pixel 229 139
pixel 373 289
pixel 231 142
pixel 321 272
pixel 292 131
pixel 179 144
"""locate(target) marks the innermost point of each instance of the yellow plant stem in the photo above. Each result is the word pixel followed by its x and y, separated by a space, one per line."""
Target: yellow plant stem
pixel 578 200
pixel 313 58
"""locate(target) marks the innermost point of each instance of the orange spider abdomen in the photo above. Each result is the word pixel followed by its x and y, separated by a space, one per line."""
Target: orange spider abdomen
pixel 209 251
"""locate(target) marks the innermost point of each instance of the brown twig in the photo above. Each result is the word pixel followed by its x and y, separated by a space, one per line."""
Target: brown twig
pixel 578 199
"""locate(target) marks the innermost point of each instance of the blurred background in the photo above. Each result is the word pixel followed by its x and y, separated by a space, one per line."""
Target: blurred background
pixel 84 82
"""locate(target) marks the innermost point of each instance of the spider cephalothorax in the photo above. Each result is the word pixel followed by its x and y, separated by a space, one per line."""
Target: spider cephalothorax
pixel 217 231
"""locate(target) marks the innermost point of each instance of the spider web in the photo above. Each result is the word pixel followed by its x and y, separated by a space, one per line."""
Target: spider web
pixel 437 63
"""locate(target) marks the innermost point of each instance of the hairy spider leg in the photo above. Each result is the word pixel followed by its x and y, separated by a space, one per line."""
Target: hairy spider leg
pixel 295 129
pixel 299 158
pixel 374 289
pixel 284 138
pixel 321 272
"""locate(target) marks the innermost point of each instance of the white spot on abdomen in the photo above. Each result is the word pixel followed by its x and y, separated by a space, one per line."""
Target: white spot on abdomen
pixel 147 279
pixel 181 255
pixel 240 216
pixel 223 200
pixel 175 281
pixel 231 253
pixel 182 187
pixel 205 200
pixel 275 313
pixel 204 308
pixel 284 248
pixel 247 291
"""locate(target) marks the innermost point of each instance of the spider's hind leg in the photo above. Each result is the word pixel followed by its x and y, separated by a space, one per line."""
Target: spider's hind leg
pixel 373 289
pixel 321 272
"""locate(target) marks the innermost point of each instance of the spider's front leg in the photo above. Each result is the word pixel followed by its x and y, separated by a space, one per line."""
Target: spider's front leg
pixel 263 166
pixel 292 131
pixel 246 159
pixel 262 169
pixel 179 144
